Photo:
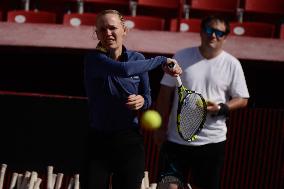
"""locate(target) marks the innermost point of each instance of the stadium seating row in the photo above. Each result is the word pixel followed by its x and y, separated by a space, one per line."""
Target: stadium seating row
pixel 258 6
pixel 168 14
pixel 261 6
pixel 253 29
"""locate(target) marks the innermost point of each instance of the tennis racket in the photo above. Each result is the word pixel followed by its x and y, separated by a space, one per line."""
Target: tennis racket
pixel 32 180
pixel 76 181
pixel 25 180
pixel 19 180
pixel 170 177
pixel 50 179
pixel 37 183
pixel 170 181
pixel 58 181
pixel 191 112
pixel 13 181
pixel 2 175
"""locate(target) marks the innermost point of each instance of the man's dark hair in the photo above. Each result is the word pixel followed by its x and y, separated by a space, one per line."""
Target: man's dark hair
pixel 215 18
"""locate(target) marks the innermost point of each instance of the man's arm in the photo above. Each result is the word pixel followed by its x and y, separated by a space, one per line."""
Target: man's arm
pixel 233 104
pixel 236 103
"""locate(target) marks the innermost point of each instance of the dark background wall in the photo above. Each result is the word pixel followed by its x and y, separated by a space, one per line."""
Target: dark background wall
pixel 36 130
pixel 41 131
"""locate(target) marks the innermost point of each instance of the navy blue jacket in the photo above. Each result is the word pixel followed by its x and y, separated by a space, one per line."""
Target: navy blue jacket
pixel 108 83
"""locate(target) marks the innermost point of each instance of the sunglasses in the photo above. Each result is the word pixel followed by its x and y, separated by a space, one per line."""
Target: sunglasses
pixel 209 31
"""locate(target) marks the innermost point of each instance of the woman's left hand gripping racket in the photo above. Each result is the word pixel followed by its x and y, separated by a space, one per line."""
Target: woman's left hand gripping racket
pixel 191 112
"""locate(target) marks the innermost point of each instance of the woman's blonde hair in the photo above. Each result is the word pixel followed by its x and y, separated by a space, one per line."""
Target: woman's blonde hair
pixel 110 11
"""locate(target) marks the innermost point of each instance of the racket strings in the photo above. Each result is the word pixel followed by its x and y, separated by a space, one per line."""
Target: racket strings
pixel 167 180
pixel 192 115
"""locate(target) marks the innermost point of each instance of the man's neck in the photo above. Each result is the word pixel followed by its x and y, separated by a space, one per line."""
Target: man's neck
pixel 209 53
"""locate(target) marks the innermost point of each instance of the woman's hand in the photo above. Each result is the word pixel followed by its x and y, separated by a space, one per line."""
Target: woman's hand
pixel 135 102
pixel 174 70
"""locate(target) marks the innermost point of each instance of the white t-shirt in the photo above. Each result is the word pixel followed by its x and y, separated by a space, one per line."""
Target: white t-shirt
pixel 217 79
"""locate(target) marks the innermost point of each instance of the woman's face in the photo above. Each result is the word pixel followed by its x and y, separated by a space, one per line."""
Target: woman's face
pixel 110 31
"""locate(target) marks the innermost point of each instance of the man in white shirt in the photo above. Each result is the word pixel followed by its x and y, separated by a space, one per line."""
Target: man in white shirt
pixel 219 77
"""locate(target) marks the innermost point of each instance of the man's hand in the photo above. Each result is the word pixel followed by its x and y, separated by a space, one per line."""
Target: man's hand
pixel 135 102
pixel 174 71
pixel 212 107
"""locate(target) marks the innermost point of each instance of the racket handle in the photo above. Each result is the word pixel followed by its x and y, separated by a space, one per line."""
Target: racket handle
pixel 76 181
pixel 179 81
pixel 49 177
pixel 2 175
pixel 146 179
pixel 19 181
pixel 58 182
pixel 71 183
pixel 37 183
pixel 13 181
pixel 33 179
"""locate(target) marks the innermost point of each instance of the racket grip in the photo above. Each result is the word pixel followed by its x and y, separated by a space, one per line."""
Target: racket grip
pixel 179 81
pixel 2 175
pixel 49 177
pixel 76 181
pixel 13 181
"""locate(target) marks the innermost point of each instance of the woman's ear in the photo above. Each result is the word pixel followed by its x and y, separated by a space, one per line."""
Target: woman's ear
pixel 125 29
pixel 98 36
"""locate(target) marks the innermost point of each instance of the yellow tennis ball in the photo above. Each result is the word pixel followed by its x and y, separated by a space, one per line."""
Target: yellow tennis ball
pixel 151 119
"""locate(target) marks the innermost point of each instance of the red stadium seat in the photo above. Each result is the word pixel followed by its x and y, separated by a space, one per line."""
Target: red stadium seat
pixel 144 22
pixel 165 9
pixel 161 8
pixel 123 2
pixel 172 4
pixel 265 6
pixel 253 29
pixel 215 5
pixel 99 5
pixel 22 16
pixel 76 19
pixel 186 25
pixel 115 2
pixel 282 31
